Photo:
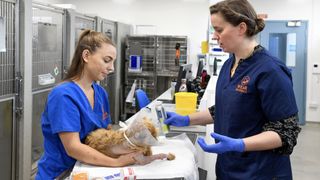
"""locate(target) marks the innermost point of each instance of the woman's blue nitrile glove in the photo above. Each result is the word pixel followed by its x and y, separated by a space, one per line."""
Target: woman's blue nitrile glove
pixel 225 144
pixel 175 119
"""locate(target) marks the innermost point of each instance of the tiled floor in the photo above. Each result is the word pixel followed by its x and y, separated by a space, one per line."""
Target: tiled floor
pixel 305 158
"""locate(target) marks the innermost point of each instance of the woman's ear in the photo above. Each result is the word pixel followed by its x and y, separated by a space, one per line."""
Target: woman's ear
pixel 85 55
pixel 242 28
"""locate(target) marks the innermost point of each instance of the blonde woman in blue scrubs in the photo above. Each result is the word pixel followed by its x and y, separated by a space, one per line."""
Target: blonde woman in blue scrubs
pixel 255 114
pixel 78 106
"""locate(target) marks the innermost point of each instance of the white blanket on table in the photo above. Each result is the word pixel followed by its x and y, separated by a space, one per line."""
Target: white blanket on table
pixel 184 165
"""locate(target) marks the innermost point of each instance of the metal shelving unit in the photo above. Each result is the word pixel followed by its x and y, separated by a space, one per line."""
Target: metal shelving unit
pixel 158 64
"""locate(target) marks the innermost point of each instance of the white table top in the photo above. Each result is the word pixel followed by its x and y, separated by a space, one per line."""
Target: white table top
pixel 184 164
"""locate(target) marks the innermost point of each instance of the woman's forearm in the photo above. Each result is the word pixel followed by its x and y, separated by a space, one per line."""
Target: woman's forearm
pixel 263 141
pixel 201 118
pixel 85 153
pixel 89 155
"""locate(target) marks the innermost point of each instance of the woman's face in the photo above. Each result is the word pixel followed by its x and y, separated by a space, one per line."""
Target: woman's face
pixel 100 63
pixel 225 33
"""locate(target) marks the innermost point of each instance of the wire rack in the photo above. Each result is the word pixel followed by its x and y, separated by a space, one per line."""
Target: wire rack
pixel 158 64
pixel 7 58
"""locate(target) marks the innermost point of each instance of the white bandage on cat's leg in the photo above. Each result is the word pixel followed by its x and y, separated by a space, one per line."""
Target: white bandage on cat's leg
pixel 142 160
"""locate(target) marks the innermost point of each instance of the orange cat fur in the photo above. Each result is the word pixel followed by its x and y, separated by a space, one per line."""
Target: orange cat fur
pixel 113 143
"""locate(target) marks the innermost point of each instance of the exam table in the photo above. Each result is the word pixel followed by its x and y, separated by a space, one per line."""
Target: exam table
pixel 183 167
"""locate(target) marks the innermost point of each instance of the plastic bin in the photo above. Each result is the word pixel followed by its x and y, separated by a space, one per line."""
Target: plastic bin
pixel 186 102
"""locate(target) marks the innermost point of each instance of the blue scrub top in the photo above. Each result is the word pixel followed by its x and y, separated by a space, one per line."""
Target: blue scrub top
pixel 260 91
pixel 68 110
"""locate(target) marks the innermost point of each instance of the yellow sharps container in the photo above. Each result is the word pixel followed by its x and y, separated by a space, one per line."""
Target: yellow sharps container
pixel 186 102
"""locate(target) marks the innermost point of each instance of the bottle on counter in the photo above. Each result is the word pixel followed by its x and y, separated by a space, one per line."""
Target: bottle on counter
pixel 173 88
pixel 183 86
pixel 161 115
pixel 134 102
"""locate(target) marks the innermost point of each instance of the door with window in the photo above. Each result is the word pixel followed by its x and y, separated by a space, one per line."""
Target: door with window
pixel 47 58
pixel 287 40
pixel 10 86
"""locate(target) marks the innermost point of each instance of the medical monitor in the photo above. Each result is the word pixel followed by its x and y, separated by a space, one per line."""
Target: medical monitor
pixel 200 68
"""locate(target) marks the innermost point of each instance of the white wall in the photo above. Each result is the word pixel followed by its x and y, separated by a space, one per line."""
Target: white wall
pixel 313 114
pixel 182 17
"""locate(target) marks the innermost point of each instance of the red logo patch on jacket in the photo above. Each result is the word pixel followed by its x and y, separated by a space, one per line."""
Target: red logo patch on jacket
pixel 243 86
pixel 104 114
